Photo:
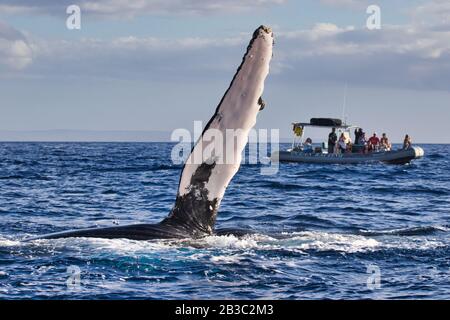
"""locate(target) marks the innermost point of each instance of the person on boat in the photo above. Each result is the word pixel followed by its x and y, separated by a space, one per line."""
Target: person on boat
pixel 342 144
pixel 384 143
pixel 374 142
pixel 358 134
pixel 307 147
pixel 349 145
pixel 362 139
pixel 362 143
pixel 407 142
pixel 332 139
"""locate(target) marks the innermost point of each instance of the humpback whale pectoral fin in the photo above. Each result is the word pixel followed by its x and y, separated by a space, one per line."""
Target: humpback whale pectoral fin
pixel 261 103
pixel 203 183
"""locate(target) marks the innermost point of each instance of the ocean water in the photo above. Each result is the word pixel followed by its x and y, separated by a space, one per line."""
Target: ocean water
pixel 319 231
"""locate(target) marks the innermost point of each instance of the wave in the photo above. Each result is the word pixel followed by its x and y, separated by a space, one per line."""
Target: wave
pixel 302 242
pixel 414 231
pixel 26 176
pixel 12 177
pixel 436 156
pixel 405 190
pixel 291 186
pixel 6 242
pixel 138 168
pixel 314 241
pixel 279 185
pixel 310 218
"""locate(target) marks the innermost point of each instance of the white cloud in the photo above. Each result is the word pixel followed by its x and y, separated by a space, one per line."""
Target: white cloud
pixel 435 13
pixel 357 4
pixel 402 56
pixel 415 55
pixel 136 57
pixel 15 52
pixel 126 8
pixel 395 56
pixel 325 39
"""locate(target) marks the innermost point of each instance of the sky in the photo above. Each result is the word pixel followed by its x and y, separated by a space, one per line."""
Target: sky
pixel 158 65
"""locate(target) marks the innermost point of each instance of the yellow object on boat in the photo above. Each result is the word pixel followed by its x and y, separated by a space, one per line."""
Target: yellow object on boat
pixel 298 131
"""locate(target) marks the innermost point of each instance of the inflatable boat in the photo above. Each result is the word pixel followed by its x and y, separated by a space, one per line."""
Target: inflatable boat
pixel 305 152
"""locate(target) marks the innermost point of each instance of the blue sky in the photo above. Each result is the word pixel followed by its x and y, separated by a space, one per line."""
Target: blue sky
pixel 160 65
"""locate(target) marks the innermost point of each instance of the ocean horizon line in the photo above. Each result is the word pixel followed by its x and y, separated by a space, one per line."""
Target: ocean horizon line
pixel 163 141
pixel 111 136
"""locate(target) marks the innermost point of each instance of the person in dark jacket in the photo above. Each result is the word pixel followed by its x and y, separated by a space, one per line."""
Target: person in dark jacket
pixel 332 139
pixel 358 134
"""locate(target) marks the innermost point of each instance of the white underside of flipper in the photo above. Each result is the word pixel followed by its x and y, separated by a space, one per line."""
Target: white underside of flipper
pixel 204 179
pixel 238 110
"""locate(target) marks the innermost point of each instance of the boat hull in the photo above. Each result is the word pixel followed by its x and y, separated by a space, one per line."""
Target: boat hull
pixel 391 157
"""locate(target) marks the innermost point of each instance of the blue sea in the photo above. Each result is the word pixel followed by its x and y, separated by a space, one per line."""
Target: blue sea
pixel 319 231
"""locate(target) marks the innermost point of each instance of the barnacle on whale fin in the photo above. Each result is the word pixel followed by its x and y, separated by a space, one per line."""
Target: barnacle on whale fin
pixel 266 29
pixel 262 103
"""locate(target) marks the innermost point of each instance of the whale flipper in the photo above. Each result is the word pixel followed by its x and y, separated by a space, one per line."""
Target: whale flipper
pixel 203 183
pixel 204 179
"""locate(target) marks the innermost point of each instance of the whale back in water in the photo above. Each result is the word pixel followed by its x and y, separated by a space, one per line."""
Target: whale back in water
pixel 204 178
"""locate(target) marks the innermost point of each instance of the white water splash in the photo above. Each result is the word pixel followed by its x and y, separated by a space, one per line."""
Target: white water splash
pixel 319 241
pixel 4 242
pixel 295 241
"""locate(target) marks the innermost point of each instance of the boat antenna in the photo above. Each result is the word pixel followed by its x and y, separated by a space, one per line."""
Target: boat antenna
pixel 344 105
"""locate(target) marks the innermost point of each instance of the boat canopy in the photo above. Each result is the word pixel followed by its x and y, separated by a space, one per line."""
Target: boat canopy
pixel 303 124
pixel 324 123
